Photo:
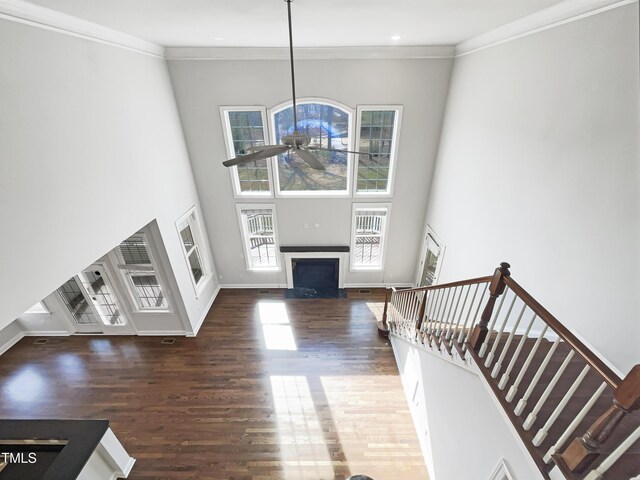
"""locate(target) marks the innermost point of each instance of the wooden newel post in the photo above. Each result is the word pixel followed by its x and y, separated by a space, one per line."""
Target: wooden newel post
pixel 383 325
pixel 496 288
pixel 585 449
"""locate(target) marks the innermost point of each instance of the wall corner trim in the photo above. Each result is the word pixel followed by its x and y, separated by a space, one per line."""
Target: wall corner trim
pixel 206 312
pixel 46 18
pixel 554 16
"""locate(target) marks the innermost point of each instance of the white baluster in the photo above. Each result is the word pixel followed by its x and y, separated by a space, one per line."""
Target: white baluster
pixel 436 312
pixel 498 366
pixel 607 463
pixel 445 322
pixel 466 320
pixel 544 431
pixel 485 345
pixel 514 388
pixel 432 296
pixel 453 317
pixel 464 304
pixel 505 376
pixel 496 340
pixel 574 424
pixel 531 418
pixel 475 317
pixel 523 401
pixel 444 311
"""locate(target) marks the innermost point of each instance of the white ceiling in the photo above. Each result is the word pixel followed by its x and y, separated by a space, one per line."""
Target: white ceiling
pixel 326 23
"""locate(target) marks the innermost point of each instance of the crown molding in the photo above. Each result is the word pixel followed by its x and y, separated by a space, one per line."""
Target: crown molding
pixel 554 16
pixel 308 53
pixel 41 17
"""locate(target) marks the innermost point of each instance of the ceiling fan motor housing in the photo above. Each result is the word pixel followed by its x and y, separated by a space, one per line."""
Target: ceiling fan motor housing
pixel 296 139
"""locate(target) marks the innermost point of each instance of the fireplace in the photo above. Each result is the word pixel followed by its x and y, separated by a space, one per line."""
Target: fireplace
pixel 315 272
pixel 326 263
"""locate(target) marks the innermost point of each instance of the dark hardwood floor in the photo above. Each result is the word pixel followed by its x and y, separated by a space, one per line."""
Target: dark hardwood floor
pixel 269 389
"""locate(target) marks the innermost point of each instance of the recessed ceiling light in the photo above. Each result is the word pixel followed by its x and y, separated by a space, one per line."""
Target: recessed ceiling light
pixel 395 37
pixel 219 39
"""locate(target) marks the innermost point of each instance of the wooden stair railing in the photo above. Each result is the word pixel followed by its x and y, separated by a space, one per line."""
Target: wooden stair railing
pixel 550 384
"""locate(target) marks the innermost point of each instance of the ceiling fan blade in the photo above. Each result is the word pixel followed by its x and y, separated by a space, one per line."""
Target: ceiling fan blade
pixel 336 150
pixel 276 149
pixel 310 159
pixel 251 157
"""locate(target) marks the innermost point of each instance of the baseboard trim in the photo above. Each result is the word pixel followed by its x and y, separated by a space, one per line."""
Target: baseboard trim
pixel 48 333
pixel 378 285
pixel 159 333
pixel 15 339
pixel 206 312
pixel 346 285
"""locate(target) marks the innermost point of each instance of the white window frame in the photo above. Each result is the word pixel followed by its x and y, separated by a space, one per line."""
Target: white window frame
pixel 244 232
pixel 350 160
pixel 231 153
pixel 191 219
pixel 429 232
pixel 383 239
pixel 135 300
pixel 398 109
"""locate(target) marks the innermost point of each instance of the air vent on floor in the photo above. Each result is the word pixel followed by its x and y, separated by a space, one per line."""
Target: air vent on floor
pixel 40 341
pixel 364 290
pixel 264 292
pixel 168 341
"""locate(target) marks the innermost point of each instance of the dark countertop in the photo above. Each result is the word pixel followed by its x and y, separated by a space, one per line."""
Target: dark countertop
pixel 81 437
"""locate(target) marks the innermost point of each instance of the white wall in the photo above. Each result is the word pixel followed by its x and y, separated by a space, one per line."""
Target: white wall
pixel 539 166
pixel 202 86
pixel 91 150
pixel 454 416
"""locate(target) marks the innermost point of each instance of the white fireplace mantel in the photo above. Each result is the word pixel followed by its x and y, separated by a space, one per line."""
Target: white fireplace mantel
pixel 342 256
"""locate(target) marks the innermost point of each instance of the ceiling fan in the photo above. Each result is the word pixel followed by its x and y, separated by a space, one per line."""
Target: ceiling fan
pixel 294 142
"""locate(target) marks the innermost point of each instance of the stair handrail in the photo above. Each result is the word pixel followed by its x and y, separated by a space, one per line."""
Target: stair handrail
pixel 390 290
pixel 583 450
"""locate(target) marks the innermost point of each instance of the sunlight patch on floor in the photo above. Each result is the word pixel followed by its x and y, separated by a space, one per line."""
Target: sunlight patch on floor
pixel 356 400
pixel 26 386
pixel 376 308
pixel 303 450
pixel 276 327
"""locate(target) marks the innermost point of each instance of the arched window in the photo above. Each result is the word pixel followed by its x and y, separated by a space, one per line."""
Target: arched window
pixel 329 126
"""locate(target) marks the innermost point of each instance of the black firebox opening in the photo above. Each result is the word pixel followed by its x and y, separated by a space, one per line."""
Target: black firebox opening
pixel 315 272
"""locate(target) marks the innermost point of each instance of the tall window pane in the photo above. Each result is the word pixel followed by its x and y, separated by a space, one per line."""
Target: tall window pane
pixel 368 238
pixel 258 229
pixel 328 127
pixel 377 136
pixel 246 129
pixel 140 273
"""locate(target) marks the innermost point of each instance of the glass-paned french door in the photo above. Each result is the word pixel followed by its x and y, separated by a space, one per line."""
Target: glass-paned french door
pixel 92 302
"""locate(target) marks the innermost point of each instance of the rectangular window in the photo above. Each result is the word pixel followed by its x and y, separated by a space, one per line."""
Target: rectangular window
pixel 245 127
pixel 368 236
pixel 135 262
pixel 192 241
pixel 258 226
pixel 378 129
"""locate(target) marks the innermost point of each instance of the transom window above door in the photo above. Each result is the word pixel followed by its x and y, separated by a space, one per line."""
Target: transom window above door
pixel 372 130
